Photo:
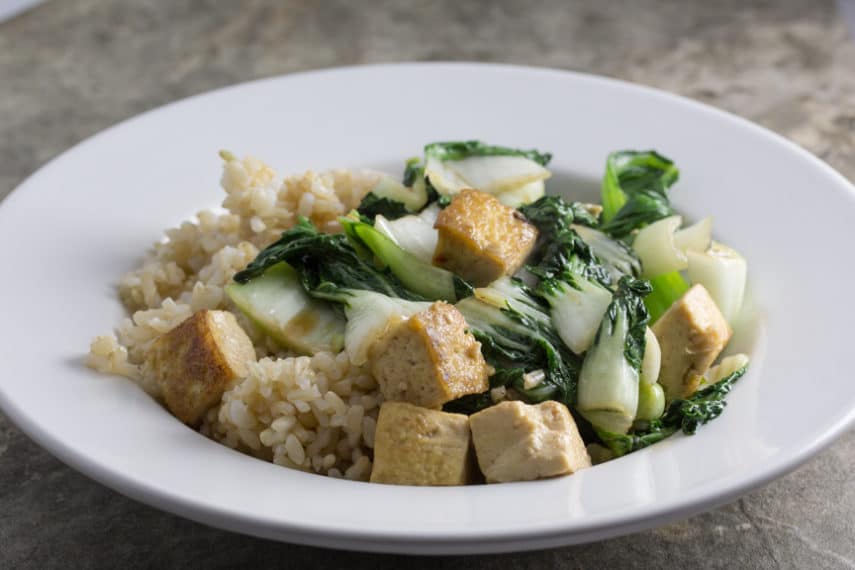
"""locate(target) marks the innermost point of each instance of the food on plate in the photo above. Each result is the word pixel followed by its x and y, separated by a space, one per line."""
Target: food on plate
pixel 277 303
pixel 194 363
pixel 691 334
pixel 453 326
pixel 418 446
pixel 481 239
pixel 515 441
pixel 429 358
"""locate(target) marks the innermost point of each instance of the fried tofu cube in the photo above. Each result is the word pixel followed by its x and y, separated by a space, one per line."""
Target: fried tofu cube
pixel 429 359
pixel 481 239
pixel 194 363
pixel 417 446
pixel 691 334
pixel 520 442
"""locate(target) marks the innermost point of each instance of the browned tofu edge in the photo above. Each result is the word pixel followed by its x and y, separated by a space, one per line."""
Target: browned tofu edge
pixel 467 218
pixel 429 359
pixel 683 364
pixel 194 363
pixel 388 439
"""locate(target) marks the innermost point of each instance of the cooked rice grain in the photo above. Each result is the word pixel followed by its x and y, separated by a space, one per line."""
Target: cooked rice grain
pixel 316 414
pixel 286 411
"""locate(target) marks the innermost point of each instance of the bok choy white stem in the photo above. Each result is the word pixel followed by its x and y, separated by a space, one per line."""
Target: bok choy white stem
pixel 656 248
pixel 609 379
pixel 722 271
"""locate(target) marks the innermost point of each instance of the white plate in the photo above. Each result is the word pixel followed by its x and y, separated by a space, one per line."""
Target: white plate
pixel 72 228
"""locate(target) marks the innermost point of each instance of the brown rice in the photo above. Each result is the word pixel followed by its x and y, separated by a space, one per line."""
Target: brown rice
pixel 312 413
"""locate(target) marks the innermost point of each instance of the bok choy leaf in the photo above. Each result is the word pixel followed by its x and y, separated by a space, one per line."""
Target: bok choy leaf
pixel 576 288
pixel 609 379
pixel 634 190
pixel 427 280
pixel 686 415
pixel 667 288
pixel 329 266
pixel 515 176
pixel 517 337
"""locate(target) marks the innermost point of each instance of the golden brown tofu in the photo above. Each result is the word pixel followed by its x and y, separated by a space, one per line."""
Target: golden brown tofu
pixel 520 442
pixel 691 334
pixel 481 239
pixel 417 446
pixel 194 363
pixel 429 358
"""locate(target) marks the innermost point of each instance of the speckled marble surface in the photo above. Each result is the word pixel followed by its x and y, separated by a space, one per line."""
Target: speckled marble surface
pixel 73 67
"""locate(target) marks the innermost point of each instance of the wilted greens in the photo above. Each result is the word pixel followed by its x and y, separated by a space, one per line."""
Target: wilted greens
pixel 686 415
pixel 517 337
pixel 572 326
pixel 328 264
pixel 608 382
pixel 460 150
pixel 634 190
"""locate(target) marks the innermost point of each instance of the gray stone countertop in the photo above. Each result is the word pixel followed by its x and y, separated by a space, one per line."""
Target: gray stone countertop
pixel 70 68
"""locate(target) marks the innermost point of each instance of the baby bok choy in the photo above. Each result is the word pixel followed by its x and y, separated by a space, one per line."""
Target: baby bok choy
pixel 514 176
pixel 664 251
pixel 722 271
pixel 576 288
pixel 518 340
pixel 277 303
pixel 413 272
pixel 393 199
pixel 608 391
pixel 330 269
pixel 414 234
pixel 634 190
pixel 687 415
pixel 651 395
pixel 553 215
pixel 614 255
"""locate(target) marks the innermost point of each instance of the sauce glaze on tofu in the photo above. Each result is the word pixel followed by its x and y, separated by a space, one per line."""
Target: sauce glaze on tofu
pixel 429 359
pixel 481 239
pixel 195 362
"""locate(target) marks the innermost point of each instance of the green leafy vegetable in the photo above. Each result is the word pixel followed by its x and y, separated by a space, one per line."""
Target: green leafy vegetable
pixel 413 233
pixel 414 175
pixel 655 246
pixel 567 255
pixel 278 304
pixel 464 149
pixel 617 257
pixel 667 288
pixel 517 337
pixel 514 378
pixel 651 401
pixel 330 268
pixel 328 265
pixel 552 214
pixel 634 190
pixel 414 171
pixel 372 205
pixel 608 381
pixel 686 415
pixel 423 278
pixel 469 404
pixel 514 176
pixel 576 287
